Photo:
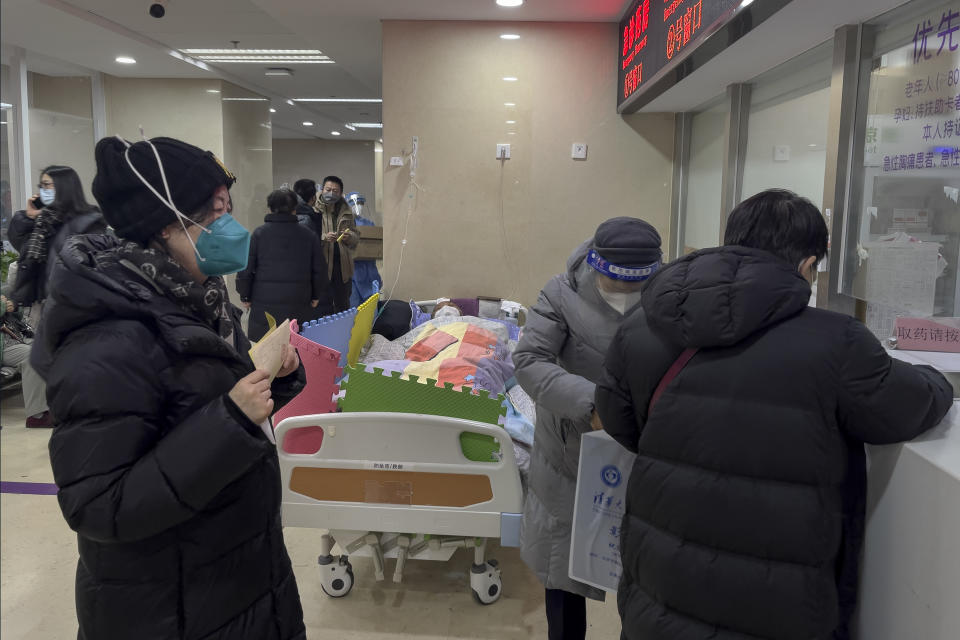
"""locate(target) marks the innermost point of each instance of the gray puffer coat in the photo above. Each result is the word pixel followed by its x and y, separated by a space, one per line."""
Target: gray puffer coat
pixel 558 362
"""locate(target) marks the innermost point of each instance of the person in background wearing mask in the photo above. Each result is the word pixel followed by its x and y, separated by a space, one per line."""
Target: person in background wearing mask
pixel 334 224
pixel 559 361
pixel 746 505
pixel 60 211
pixel 163 450
pixel 285 275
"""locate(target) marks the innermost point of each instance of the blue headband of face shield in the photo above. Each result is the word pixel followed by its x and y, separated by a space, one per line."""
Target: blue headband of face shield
pixel 616 272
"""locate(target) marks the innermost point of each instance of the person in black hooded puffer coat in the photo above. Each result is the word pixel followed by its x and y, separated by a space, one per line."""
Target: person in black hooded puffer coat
pixel 163 467
pixel 286 275
pixel 745 507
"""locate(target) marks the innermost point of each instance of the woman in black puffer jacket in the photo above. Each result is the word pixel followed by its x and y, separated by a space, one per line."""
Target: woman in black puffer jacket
pixel 164 469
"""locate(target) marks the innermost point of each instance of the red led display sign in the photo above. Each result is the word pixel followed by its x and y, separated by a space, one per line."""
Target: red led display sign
pixel 657 33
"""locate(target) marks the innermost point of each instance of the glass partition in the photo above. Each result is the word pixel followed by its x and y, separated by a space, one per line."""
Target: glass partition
pixel 903 245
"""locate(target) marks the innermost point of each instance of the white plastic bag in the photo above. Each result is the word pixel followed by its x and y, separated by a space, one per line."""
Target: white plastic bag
pixel 601 501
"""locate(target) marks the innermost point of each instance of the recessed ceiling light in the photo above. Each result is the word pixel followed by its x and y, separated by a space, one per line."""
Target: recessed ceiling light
pixel 307 123
pixel 511 133
pixel 509 104
pixel 272 110
pixel 509 36
pixel 334 133
pixel 126 60
pixel 351 127
pixel 290 102
pixel 509 79
pixel 509 3
pixel 213 90
pixel 511 122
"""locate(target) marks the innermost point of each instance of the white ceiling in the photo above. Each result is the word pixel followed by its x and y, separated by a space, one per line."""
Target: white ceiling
pixel 92 33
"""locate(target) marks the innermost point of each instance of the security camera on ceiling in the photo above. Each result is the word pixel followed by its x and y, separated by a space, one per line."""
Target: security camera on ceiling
pixel 157 9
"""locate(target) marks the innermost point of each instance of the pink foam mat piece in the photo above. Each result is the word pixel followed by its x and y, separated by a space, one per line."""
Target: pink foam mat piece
pixel 321 365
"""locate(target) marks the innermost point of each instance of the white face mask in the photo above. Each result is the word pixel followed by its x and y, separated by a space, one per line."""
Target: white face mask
pixel 620 302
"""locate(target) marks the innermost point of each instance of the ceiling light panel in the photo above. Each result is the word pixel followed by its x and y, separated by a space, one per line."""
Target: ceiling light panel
pixel 251 52
pixel 367 125
pixel 337 100
pixel 259 56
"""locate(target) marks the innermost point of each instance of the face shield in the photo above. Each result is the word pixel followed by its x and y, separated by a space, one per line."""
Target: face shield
pixel 619 286
pixel 357 204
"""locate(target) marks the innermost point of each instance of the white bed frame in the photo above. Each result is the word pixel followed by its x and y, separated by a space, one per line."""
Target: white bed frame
pixel 402 443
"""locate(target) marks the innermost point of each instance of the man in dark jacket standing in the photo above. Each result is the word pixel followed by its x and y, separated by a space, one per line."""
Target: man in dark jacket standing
pixel 162 451
pixel 745 510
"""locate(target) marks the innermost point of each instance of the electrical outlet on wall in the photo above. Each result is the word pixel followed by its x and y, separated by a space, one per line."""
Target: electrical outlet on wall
pixel 503 152
pixel 396 161
pixel 579 151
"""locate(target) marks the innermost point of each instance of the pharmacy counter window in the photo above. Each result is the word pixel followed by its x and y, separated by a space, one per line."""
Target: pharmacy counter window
pixel 902 246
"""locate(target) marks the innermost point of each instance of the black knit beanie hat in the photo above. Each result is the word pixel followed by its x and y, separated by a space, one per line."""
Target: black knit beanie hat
pixel 136 213
pixel 628 242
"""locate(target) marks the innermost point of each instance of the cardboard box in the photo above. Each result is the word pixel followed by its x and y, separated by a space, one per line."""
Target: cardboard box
pixel 371 243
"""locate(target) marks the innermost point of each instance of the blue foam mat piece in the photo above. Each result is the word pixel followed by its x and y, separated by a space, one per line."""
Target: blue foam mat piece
pixel 332 331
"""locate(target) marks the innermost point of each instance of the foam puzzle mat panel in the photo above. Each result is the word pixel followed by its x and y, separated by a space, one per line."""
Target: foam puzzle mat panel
pixel 321 366
pixel 333 332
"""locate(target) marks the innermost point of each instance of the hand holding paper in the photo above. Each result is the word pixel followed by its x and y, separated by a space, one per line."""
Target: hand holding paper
pixel 270 354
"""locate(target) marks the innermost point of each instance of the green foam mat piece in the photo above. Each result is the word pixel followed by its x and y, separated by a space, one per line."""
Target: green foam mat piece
pixel 371 391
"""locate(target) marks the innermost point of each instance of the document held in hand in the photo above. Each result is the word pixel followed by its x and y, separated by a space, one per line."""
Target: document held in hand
pixel 267 354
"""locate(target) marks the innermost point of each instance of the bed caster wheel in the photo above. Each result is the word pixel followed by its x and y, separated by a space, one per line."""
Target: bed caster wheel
pixel 485 582
pixel 336 575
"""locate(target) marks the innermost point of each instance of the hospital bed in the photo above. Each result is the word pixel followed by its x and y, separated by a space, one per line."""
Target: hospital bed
pixel 407 471
pixel 394 485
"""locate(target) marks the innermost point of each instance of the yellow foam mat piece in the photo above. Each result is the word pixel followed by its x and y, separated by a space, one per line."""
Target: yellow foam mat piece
pixel 362 328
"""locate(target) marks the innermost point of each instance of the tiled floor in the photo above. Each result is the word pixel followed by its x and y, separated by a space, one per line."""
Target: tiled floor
pixel 38 559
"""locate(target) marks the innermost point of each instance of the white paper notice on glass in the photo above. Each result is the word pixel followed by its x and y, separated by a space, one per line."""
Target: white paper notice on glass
pixel 267 354
pixel 902 275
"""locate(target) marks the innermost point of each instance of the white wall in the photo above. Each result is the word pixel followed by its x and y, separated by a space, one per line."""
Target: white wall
pixel 799 124
pixel 479 226
pixel 61 127
pixel 705 182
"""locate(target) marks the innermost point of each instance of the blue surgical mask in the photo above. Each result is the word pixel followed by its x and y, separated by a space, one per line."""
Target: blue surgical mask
pixel 47 196
pixel 224 247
